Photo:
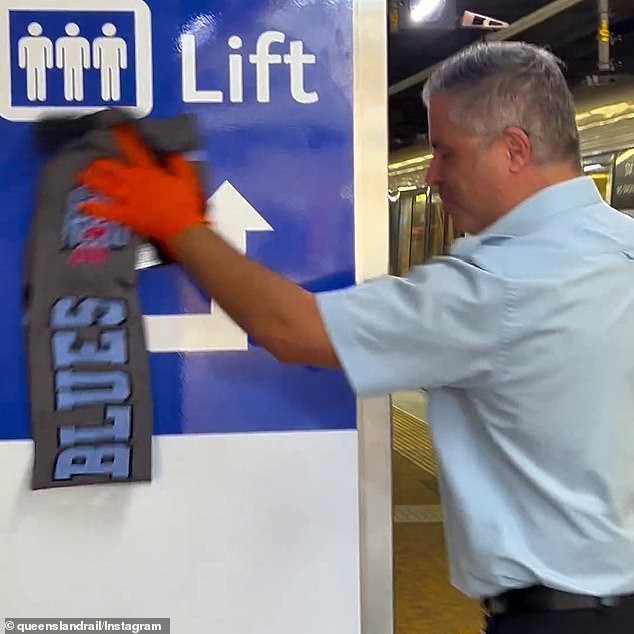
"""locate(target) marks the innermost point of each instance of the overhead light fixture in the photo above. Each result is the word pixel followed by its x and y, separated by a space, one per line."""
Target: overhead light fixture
pixel 471 20
pixel 422 15
pixel 426 10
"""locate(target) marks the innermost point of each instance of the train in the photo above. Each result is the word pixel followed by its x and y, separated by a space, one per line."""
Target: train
pixel 418 227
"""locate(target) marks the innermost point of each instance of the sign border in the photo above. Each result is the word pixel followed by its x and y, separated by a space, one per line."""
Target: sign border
pixel 143 50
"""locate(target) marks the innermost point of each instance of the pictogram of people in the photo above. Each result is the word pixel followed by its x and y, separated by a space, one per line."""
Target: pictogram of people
pixel 35 55
pixel 110 55
pixel 74 55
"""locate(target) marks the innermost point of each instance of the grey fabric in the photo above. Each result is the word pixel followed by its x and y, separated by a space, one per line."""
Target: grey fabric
pixel 91 400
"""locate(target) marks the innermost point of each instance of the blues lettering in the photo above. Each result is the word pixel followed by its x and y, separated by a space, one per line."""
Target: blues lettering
pixel 89 373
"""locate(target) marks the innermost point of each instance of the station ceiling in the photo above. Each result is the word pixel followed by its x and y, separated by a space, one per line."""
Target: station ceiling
pixel 572 34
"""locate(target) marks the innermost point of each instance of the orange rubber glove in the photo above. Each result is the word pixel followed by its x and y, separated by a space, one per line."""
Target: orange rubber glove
pixel 154 201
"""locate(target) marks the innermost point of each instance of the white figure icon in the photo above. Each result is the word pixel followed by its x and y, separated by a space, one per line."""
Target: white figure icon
pixel 110 55
pixel 35 54
pixel 72 54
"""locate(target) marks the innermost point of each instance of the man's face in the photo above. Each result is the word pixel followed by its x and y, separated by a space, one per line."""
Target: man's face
pixel 470 176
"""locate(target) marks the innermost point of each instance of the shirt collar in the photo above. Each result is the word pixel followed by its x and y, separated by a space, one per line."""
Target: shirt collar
pixel 531 214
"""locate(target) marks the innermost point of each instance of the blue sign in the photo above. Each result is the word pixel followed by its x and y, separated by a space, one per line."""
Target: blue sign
pixel 271 86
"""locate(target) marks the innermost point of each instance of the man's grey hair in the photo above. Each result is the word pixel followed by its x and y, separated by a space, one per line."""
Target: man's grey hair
pixel 493 86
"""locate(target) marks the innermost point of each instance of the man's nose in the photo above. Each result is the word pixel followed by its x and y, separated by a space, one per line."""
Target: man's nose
pixel 432 178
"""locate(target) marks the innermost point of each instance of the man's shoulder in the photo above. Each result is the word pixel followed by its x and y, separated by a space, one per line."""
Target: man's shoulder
pixel 443 279
pixel 566 242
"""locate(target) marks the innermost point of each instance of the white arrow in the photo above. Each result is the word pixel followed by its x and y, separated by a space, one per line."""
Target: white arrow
pixel 232 217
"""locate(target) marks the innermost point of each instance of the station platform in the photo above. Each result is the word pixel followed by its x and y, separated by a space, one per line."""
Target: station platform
pixel 425 601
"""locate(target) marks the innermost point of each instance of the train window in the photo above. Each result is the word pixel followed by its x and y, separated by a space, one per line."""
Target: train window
pixel 405 232
pixel 437 229
pixel 623 182
pixel 419 230
pixel 449 232
pixel 394 202
pixel 599 168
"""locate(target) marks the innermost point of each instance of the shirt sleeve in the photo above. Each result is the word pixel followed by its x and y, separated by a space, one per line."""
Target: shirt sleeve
pixel 440 327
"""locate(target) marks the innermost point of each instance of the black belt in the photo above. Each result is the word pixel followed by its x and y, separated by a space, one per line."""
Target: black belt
pixel 542 599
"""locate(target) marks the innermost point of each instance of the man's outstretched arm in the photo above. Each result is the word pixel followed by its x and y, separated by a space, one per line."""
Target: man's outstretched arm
pixel 165 203
pixel 277 313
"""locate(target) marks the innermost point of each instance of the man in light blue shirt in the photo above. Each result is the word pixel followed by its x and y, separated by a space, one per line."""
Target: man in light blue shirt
pixel 523 338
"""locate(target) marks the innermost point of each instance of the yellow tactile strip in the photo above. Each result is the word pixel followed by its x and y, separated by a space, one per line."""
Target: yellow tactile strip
pixel 418 514
pixel 425 601
pixel 412 439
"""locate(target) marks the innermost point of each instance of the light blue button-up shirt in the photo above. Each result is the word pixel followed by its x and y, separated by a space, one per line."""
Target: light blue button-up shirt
pixel 524 340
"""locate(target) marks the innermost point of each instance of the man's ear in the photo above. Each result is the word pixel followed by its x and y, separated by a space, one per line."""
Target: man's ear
pixel 519 147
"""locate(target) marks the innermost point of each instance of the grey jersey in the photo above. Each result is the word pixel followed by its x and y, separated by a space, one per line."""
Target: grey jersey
pixel 90 390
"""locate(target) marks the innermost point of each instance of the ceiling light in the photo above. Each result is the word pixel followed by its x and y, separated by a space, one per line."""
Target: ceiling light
pixel 423 10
